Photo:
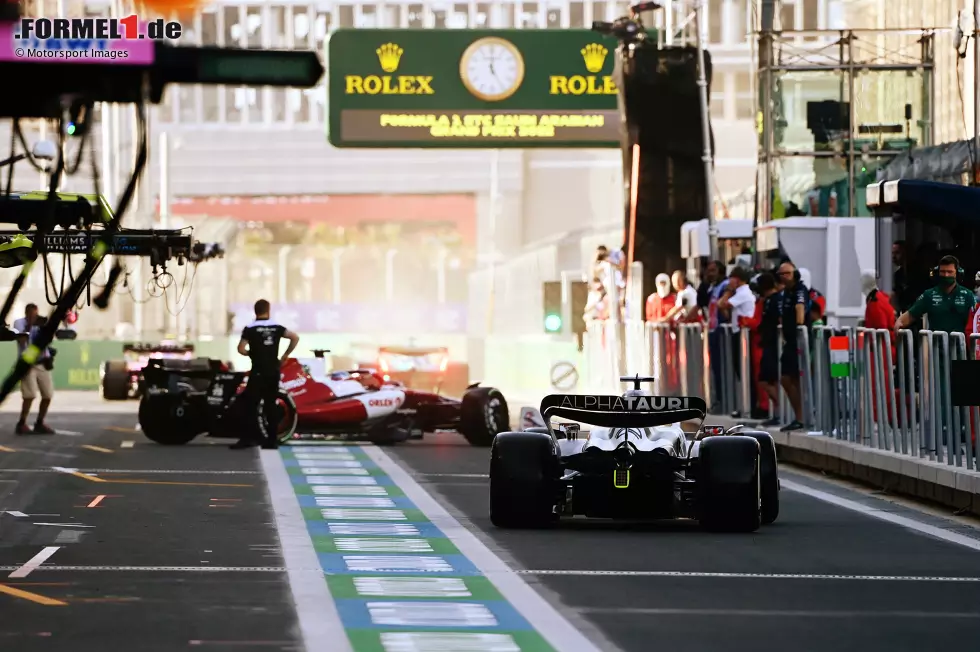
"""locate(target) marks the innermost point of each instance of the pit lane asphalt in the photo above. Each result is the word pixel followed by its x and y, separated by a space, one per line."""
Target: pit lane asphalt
pixel 188 527
pixel 597 571
pixel 205 535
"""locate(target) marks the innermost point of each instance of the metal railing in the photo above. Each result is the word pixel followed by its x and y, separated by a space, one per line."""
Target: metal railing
pixel 890 392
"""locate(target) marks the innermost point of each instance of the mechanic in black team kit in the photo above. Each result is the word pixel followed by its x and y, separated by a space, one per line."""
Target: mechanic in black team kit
pixel 260 342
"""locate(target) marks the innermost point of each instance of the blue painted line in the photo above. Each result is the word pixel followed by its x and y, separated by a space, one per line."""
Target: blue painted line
pixel 456 565
pixel 397 612
pixel 327 464
pixel 397 502
pixel 355 615
pixel 426 530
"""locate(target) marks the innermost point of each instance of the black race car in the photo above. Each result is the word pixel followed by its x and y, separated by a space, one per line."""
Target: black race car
pixel 179 403
pixel 635 463
pixel 121 379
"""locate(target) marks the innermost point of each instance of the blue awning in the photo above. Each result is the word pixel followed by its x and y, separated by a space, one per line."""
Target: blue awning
pixel 943 204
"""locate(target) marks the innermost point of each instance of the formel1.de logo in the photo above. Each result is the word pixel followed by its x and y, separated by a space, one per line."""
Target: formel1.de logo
pixel 79 29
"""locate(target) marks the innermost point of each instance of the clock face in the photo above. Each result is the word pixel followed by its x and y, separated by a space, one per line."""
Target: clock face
pixel 492 69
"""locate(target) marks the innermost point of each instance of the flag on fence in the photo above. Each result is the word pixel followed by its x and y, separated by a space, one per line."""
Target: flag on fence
pixel 840 359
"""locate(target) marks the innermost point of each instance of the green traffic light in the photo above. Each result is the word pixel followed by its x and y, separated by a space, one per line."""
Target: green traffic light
pixel 552 323
pixel 71 129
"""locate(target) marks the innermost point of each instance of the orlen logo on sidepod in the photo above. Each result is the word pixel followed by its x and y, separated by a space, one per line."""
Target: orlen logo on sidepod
pixel 295 383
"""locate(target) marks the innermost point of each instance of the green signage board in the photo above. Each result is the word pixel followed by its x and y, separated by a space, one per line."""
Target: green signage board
pixel 471 88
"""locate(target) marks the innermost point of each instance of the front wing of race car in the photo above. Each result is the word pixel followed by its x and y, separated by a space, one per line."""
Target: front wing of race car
pixel 637 463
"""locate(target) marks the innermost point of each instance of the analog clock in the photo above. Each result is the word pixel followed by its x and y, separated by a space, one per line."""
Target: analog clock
pixel 492 69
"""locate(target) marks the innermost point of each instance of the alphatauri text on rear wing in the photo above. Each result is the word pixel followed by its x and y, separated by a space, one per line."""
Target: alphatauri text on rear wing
pixel 623 411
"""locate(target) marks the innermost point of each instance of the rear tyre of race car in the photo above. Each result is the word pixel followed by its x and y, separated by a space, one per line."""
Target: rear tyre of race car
pixel 115 381
pixel 288 417
pixel 523 473
pixel 482 415
pixel 168 419
pixel 770 474
pixel 729 484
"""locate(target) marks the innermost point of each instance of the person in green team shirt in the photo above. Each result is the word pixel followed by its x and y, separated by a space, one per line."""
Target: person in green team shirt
pixel 947 305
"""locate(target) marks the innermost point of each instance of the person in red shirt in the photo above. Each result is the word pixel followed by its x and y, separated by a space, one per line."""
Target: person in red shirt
pixel 660 303
pixel 765 284
pixel 878 314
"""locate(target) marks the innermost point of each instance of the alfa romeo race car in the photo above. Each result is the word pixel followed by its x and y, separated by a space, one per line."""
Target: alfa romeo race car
pixel 357 404
pixel 119 380
pixel 635 463
pixel 426 368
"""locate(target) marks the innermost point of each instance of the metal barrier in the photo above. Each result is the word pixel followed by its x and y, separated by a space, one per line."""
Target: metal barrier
pixel 876 388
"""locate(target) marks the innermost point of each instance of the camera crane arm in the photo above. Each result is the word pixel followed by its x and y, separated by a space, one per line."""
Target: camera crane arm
pixel 163 244
pixel 138 80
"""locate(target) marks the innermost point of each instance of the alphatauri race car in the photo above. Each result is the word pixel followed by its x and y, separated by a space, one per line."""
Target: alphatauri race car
pixel 121 379
pixel 635 463
pixel 357 404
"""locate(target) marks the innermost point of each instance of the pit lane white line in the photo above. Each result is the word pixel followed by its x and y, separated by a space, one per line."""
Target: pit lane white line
pixel 754 576
pixel 800 613
pixel 317 572
pixel 922 528
pixel 34 562
pixel 135 471
pixel 319 621
pixel 543 617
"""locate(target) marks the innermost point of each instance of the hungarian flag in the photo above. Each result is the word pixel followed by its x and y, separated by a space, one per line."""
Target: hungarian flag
pixel 840 359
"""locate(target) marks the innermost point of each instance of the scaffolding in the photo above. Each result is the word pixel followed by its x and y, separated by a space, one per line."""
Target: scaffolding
pixel 864 95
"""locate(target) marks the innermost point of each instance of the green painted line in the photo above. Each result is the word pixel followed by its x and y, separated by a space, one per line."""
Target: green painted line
pixel 342 586
pixel 411 515
pixel 307 490
pixel 298 470
pixel 355 453
pixel 367 640
pixel 328 544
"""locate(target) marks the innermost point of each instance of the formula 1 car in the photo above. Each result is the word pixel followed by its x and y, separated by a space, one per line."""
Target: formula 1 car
pixel 635 463
pixel 357 404
pixel 120 380
pixel 424 368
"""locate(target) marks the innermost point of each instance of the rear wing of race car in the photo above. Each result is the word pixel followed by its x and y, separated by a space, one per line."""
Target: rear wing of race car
pixel 156 347
pixel 623 411
pixel 161 375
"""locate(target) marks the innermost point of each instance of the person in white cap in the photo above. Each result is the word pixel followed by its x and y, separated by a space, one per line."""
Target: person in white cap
pixel 878 314
pixel 660 303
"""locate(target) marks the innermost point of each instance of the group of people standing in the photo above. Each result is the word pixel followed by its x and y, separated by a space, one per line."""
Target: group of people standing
pixel 771 304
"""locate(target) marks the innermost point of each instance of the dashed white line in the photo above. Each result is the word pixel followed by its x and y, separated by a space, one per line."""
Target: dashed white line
pixel 752 576
pixel 34 562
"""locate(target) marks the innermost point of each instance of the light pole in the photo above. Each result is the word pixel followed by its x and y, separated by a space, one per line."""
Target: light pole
pixel 709 171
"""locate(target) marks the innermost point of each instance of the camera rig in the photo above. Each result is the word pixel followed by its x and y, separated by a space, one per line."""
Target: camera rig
pixel 628 29
pixel 159 245
pixel 66 91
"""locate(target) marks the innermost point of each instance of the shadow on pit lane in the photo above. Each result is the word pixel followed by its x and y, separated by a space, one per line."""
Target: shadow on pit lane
pixel 585 525
pixel 435 444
